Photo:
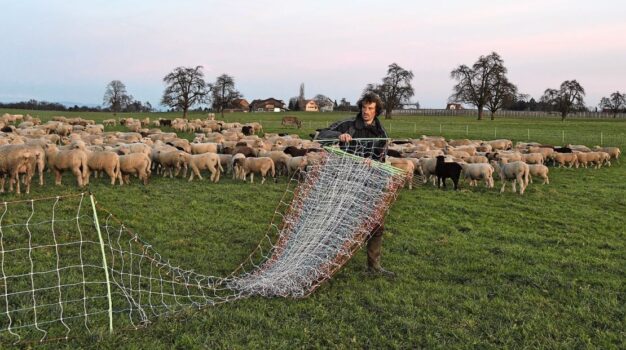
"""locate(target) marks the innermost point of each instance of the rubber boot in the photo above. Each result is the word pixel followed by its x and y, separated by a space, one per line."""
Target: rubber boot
pixel 374 249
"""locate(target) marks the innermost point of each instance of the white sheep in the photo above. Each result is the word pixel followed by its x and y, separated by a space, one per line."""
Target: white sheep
pixel 205 147
pixel 204 161
pixel 13 159
pixel 237 173
pixel 295 164
pixel 135 164
pixel 614 152
pixel 106 161
pixel 405 164
pixel 532 158
pixel 261 165
pixel 280 159
pixel 478 171
pixel 74 160
pixel 516 172
pixel 169 160
pixel 539 170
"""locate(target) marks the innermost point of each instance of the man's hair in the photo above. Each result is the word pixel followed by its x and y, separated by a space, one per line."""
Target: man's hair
pixel 368 98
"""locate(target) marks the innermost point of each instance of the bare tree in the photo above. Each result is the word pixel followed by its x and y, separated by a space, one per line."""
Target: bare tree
pixel 323 101
pixel 474 84
pixel 615 103
pixel 566 99
pixel 224 92
pixel 502 92
pixel 116 98
pixel 395 88
pixel 185 87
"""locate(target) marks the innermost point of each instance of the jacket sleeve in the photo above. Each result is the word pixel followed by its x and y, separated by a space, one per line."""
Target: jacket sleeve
pixel 333 131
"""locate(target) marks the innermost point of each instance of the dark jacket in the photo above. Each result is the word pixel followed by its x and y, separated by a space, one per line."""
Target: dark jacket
pixel 357 128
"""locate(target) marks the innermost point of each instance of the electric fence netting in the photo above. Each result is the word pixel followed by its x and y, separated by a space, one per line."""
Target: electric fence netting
pixel 69 267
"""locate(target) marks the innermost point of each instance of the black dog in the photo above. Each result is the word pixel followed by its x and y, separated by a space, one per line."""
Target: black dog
pixel 445 170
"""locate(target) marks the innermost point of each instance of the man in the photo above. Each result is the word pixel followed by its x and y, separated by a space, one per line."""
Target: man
pixel 364 126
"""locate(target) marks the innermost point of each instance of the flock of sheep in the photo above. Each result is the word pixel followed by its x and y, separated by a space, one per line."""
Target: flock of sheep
pixel 82 147
pixel 477 160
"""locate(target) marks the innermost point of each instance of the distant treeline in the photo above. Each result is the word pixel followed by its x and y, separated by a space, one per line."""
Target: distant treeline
pixel 134 107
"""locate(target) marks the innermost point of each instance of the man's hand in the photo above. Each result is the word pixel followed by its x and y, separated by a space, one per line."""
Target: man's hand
pixel 345 138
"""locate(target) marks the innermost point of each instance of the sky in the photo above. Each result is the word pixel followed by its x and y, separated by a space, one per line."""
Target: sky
pixel 70 50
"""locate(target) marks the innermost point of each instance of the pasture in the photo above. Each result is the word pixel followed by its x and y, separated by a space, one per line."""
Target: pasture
pixel 475 268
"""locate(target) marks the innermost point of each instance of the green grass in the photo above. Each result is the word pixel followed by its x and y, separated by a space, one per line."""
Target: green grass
pixel 476 268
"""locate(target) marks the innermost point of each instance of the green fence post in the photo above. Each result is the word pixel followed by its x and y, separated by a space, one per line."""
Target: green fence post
pixel 563 137
pixel 528 135
pixel 104 261
pixel 601 139
pixel 495 133
pixel 415 128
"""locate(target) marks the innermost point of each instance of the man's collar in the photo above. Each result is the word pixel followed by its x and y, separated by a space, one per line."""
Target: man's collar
pixel 359 123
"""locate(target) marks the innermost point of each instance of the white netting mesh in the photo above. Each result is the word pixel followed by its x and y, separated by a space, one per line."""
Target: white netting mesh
pixel 52 262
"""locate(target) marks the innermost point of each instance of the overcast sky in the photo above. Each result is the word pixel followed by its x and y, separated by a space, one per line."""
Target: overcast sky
pixel 70 50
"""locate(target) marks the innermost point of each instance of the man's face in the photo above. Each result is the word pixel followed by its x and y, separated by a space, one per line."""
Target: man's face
pixel 368 111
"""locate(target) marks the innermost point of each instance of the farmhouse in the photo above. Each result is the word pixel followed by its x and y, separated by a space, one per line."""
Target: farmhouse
pixel 238 105
pixel 454 106
pixel 311 106
pixel 267 105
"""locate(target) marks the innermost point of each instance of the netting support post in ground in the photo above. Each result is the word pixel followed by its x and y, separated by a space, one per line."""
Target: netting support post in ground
pixel 104 261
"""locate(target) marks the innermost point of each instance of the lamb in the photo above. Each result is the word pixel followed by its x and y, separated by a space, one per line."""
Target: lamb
pixel 170 160
pixel 245 150
pixel 208 161
pixel 580 148
pixel 500 144
pixel 477 159
pixel 72 159
pixel 405 164
pixel 584 158
pixel 614 152
pixel 517 172
pixel 137 147
pixel 564 159
pixel 136 164
pixel 539 170
pixel 226 162
pixel 469 149
pixel 109 122
pixel 509 156
pixel 457 153
pixel 198 148
pixel 106 161
pixel 532 158
pixel 12 160
pixel 426 168
pixel 261 165
pixel 181 144
pixel 280 160
pixel 478 171
pixel 38 162
pixel 295 164
pixel 604 158
pixel 445 170
pixel 237 174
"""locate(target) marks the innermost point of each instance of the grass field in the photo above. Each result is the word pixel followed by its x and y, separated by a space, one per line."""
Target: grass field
pixel 476 268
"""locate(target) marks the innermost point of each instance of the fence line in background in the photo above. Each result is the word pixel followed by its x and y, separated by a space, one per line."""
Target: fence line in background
pixel 399 129
pixel 503 113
